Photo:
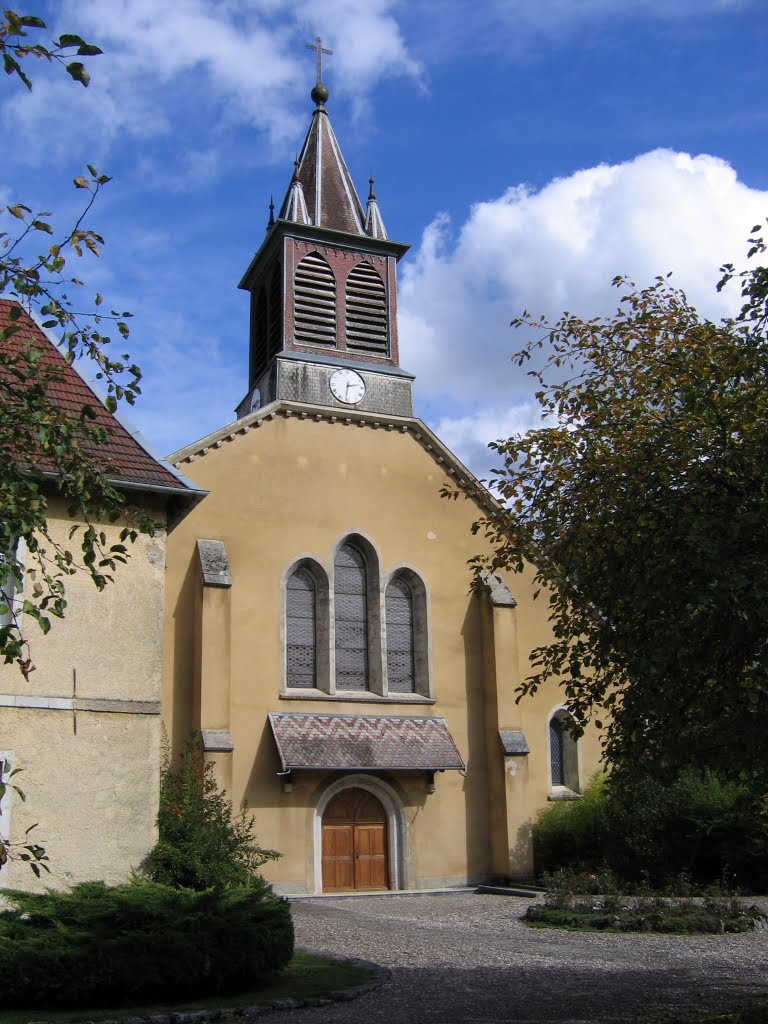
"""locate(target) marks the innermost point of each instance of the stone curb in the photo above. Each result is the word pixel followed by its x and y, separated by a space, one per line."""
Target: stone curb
pixel 247 1013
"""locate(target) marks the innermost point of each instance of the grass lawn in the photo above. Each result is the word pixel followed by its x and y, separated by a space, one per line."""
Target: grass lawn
pixel 306 976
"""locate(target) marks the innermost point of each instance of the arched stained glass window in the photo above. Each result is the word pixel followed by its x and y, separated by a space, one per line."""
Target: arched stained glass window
pixel 301 622
pixel 401 673
pixel 350 596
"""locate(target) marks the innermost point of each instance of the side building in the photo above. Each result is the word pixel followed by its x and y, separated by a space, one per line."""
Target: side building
pixel 319 628
pixel 85 727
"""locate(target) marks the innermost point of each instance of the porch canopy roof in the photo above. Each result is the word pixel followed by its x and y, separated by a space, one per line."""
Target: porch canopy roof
pixel 363 743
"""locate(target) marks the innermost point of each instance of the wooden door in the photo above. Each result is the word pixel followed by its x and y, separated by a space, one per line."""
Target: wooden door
pixel 354 843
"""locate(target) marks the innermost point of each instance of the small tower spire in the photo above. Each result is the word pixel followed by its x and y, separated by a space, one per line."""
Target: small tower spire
pixel 374 225
pixel 271 221
pixel 295 205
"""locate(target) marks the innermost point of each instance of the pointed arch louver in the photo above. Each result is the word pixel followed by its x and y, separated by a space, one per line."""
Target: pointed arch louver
pixel 366 310
pixel 314 296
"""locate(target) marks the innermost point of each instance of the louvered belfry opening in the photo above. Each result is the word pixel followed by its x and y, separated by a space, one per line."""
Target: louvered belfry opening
pixel 275 311
pixel 314 297
pixel 401 671
pixel 366 310
pixel 350 590
pixel 301 622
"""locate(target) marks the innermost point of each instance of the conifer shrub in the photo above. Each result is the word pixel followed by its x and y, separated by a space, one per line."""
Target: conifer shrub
pixel 201 843
pixel 139 942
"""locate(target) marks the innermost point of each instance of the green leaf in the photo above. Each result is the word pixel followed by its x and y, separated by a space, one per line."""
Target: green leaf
pixel 78 72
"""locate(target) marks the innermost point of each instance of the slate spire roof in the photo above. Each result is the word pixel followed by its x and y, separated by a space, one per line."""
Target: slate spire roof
pixel 322 187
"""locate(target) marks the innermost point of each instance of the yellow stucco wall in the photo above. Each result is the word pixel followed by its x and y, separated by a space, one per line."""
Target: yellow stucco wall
pixel 90 776
pixel 293 487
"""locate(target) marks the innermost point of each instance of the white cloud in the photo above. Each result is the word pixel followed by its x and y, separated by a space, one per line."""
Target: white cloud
pixel 241 59
pixel 557 249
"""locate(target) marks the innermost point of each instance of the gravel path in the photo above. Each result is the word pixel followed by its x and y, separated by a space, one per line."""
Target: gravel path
pixel 468 958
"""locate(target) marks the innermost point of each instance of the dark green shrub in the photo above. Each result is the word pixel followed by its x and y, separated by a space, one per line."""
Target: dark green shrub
pixel 201 845
pixel 574 833
pixel 139 942
pixel 695 831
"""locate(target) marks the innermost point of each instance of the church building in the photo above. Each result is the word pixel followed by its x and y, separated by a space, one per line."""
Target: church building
pixel 320 632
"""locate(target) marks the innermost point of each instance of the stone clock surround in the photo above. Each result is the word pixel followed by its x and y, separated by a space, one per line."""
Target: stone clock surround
pixel 306 379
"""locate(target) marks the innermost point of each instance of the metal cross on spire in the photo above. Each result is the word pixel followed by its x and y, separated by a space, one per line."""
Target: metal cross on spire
pixel 317 46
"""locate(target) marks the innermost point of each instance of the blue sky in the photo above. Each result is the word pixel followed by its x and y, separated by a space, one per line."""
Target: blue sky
pixel 529 150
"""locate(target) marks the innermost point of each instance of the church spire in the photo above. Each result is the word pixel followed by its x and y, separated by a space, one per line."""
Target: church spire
pixel 374 225
pixel 330 195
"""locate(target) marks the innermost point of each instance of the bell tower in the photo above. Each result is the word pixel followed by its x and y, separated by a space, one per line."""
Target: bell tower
pixel 323 328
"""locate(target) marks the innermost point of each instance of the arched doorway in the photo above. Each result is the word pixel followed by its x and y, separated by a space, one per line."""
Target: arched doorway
pixel 355 842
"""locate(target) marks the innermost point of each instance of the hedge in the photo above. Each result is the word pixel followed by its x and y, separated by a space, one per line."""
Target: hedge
pixel 138 943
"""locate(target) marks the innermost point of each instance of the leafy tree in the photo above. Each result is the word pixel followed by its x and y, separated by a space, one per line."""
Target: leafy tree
pixel 642 503
pixel 201 845
pixel 45 451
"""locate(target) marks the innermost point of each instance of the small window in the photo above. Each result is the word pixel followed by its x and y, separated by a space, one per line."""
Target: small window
pixel 556 752
pixel 301 600
pixel 563 753
pixel 10 585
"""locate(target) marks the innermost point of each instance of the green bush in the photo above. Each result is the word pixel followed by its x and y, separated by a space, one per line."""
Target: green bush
pixel 695 831
pixel 574 833
pixel 201 844
pixel 139 942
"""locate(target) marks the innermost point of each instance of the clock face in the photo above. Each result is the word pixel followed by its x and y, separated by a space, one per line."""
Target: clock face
pixel 347 386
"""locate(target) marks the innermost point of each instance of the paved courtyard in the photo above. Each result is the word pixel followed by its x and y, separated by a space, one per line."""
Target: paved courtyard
pixel 468 958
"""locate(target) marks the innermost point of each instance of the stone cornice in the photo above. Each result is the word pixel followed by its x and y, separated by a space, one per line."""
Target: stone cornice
pixel 455 471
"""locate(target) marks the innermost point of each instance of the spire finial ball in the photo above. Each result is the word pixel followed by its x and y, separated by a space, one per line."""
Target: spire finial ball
pixel 319 94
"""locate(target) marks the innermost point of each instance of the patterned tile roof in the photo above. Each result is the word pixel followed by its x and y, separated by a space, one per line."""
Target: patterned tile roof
pixel 363 742
pixel 127 459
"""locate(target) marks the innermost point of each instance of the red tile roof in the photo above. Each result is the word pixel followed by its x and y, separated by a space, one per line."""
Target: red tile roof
pixel 363 742
pixel 126 459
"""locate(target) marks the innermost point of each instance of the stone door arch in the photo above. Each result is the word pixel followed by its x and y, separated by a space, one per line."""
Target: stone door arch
pixel 355 852
pixel 395 832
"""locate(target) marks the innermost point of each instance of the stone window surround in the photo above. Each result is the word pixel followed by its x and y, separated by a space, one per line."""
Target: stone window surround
pixel 571 761
pixel 323 573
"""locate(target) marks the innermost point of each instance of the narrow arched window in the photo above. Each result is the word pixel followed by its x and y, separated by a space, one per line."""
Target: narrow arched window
pixel 556 758
pixel 314 300
pixel 301 629
pixel 401 670
pixel 366 310
pixel 563 752
pixel 258 332
pixel 275 310
pixel 351 604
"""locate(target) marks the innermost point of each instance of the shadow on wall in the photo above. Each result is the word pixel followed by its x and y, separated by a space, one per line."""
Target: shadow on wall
pixel 476 781
pixel 185 698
